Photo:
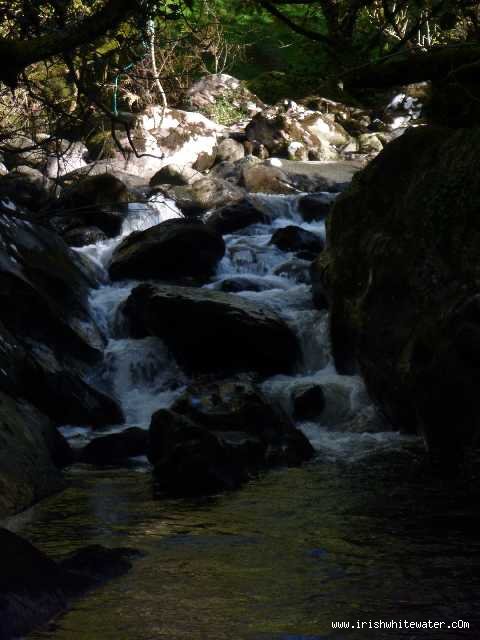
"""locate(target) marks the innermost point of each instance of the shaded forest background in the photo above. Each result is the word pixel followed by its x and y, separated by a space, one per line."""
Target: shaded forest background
pixel 71 68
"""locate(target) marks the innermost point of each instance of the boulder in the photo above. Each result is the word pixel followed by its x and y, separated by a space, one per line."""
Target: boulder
pixel 83 236
pixel 39 272
pixel 207 193
pixel 29 448
pixel 286 133
pixel 175 175
pixel 369 143
pixel 26 188
pixel 115 448
pixel 312 177
pixel 167 137
pixel 263 178
pixel 324 127
pixel 100 200
pixel 34 588
pixel 230 150
pixel 172 250
pixel 23 151
pixel 211 330
pixel 233 171
pixel 136 185
pixel 234 217
pixel 221 87
pixel 296 239
pixel 32 371
pixel 296 269
pixel 44 356
pixel 217 435
pixel 308 401
pixel 401 273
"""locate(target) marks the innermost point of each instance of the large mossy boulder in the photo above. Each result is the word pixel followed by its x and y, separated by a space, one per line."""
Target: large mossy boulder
pixel 211 330
pixel 172 250
pixel 403 275
pixel 218 434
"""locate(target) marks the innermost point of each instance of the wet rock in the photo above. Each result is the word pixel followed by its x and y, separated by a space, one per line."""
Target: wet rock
pixel 31 451
pixel 83 236
pixel 211 330
pixel 39 272
pixel 172 250
pixel 100 200
pixel 241 283
pixel 315 206
pixel 296 269
pixel 33 372
pixel 34 588
pixel 218 434
pixel 230 150
pixel 308 402
pixel 403 255
pixel 234 217
pixel 115 448
pixel 296 239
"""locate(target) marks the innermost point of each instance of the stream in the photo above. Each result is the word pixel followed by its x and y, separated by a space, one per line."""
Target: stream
pixel 365 532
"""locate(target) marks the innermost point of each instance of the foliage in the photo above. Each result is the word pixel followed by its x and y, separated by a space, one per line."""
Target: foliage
pixel 225 110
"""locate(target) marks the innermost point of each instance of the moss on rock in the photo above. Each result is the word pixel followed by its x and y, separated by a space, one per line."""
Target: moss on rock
pixel 403 275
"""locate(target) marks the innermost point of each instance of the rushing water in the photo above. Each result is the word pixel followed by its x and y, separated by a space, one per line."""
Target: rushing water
pixel 362 533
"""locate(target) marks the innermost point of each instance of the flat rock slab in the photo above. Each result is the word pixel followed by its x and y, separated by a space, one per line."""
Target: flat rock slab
pixel 318 176
pixel 211 330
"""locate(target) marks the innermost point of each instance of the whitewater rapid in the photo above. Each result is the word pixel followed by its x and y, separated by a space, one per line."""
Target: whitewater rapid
pixel 143 376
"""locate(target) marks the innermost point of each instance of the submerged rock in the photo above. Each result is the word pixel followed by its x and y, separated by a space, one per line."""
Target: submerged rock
pixel 211 330
pixel 34 588
pixel 402 274
pixel 217 435
pixel 174 249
